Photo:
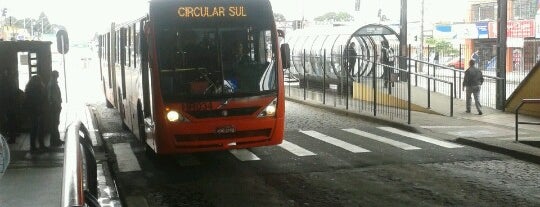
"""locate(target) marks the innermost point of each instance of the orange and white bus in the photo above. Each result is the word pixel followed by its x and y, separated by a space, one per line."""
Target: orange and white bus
pixel 197 75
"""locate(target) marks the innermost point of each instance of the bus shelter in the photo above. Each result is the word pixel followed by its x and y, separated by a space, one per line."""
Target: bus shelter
pixel 318 54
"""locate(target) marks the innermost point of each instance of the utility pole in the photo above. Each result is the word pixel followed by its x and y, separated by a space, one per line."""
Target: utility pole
pixel 501 53
pixel 403 40
pixel 421 55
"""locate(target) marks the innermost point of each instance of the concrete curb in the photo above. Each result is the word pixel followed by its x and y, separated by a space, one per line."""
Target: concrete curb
pixel 528 157
pixel 369 118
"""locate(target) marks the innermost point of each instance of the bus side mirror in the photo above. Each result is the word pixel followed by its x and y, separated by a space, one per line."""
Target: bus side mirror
pixel 285 56
pixel 62 41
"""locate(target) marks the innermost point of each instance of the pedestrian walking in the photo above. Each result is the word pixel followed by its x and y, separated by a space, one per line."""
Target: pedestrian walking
pixel 55 107
pixel 35 105
pixel 436 57
pixel 471 83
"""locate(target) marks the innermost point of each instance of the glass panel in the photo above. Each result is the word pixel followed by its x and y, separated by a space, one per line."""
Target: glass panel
pixel 215 62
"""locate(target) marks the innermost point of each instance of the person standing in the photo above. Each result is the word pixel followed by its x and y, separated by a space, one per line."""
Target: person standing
pixel 350 54
pixel 387 60
pixel 471 83
pixel 55 107
pixel 35 105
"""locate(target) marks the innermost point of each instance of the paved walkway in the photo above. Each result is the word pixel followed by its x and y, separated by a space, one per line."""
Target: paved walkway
pixel 36 179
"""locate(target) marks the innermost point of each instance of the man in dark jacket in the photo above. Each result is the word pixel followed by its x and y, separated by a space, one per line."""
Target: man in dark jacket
pixel 55 106
pixel 35 105
pixel 471 82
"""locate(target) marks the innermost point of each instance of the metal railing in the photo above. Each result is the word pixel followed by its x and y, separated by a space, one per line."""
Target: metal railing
pixel 4 155
pixel 450 74
pixel 523 102
pixel 370 91
pixel 79 185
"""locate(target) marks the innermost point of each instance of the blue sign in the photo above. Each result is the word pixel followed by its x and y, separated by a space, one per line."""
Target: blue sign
pixel 483 31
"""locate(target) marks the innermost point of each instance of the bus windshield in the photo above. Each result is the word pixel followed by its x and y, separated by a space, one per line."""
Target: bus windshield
pixel 211 63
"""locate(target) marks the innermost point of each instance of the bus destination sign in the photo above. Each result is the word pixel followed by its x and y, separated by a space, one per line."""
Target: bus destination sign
pixel 211 12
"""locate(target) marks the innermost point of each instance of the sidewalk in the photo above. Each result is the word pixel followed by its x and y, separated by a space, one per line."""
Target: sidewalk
pixel 36 179
pixel 493 131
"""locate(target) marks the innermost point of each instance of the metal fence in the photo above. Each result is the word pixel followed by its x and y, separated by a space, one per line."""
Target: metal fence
pixel 435 72
pixel 4 155
pixel 520 61
pixel 384 90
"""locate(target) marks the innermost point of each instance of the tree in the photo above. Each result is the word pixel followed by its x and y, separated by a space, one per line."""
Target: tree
pixel 441 46
pixel 335 17
pixel 278 17
pixel 35 25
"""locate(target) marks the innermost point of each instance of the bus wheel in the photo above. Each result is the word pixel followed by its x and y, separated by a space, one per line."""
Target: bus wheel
pixel 163 162
pixel 107 102
pixel 122 111
pixel 142 133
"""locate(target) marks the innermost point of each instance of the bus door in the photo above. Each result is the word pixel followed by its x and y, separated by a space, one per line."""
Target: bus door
pixel 146 75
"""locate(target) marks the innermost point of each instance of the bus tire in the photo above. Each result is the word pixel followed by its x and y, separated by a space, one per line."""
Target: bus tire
pixel 107 102
pixel 122 110
pixel 140 121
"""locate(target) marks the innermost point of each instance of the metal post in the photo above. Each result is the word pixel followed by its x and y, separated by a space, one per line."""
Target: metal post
pixel 451 99
pixel 374 78
pixel 409 90
pixel 403 36
pixel 429 93
pixel 64 64
pixel 324 77
pixel 501 53
pixel 516 121
pixel 455 83
pixel 305 81
pixel 460 85
pixel 347 83
pixel 434 81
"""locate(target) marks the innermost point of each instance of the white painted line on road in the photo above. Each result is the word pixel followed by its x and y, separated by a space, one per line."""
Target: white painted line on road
pixel 420 137
pixel 244 155
pixel 295 149
pixel 335 142
pixel 394 143
pixel 125 158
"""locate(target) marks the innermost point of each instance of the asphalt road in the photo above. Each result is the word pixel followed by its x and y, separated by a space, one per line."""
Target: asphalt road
pixel 327 160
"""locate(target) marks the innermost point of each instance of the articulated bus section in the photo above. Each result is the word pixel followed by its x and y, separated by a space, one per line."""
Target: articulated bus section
pixel 186 82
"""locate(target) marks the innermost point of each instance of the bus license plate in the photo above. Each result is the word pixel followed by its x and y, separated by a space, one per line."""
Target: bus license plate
pixel 226 130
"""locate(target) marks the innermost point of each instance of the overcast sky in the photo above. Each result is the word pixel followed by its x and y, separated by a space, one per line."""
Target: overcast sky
pixel 84 18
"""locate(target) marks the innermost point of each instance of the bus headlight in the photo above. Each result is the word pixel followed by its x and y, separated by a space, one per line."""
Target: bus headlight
pixel 173 116
pixel 270 110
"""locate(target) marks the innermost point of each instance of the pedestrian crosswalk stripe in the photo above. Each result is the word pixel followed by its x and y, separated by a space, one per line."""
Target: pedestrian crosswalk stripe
pixel 295 149
pixel 420 137
pixel 125 158
pixel 244 155
pixel 382 139
pixel 335 142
